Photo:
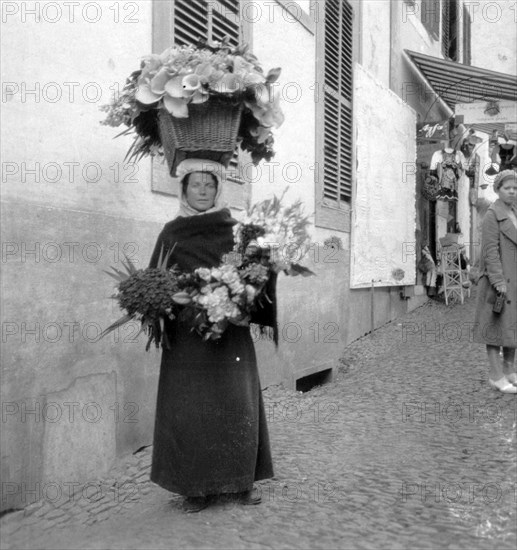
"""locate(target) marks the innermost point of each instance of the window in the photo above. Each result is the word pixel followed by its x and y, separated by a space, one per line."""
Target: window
pixel 467 52
pixel 186 22
pixel 441 20
pixel 450 44
pixel 334 106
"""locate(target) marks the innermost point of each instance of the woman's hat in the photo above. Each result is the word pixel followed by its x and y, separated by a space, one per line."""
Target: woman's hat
pixel 503 176
pixel 188 166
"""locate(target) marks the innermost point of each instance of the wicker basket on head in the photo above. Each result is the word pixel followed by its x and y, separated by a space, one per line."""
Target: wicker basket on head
pixel 209 131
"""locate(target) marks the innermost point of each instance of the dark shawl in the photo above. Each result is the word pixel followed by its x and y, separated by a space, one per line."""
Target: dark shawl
pixel 201 241
pixel 210 433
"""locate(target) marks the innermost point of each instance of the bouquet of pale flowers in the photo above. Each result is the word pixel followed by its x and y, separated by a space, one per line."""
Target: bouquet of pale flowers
pixel 271 238
pixel 276 233
pixel 208 299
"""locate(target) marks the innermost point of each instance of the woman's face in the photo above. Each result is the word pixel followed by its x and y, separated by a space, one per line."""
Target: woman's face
pixel 508 191
pixel 201 191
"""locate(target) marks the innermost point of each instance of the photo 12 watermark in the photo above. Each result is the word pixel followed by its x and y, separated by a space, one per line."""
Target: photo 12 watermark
pixel 70 412
pixel 68 332
pixel 58 493
pixel 454 412
pixel 69 172
pixel 114 11
pixel 488 493
pixel 70 252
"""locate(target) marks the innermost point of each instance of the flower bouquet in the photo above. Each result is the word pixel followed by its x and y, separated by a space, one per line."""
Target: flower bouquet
pixel 277 233
pixel 209 299
pixel 198 98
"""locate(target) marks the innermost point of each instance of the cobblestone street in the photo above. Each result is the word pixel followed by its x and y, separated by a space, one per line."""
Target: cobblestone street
pixel 408 448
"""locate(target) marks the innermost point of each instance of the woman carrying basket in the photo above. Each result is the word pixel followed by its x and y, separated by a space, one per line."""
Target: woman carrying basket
pixel 210 435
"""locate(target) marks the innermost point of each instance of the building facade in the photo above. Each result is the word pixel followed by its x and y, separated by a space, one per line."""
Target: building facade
pixel 71 206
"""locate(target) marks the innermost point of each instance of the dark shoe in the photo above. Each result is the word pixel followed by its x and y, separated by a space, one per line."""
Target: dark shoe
pixel 250 498
pixel 191 505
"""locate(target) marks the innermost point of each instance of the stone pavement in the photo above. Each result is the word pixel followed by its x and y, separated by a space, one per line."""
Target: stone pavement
pixel 408 448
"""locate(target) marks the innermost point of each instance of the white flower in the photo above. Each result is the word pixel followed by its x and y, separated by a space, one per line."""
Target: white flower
pixel 204 273
pixel 216 273
pixel 251 292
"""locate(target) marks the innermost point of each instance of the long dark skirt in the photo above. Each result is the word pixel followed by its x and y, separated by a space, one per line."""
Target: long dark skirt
pixel 210 434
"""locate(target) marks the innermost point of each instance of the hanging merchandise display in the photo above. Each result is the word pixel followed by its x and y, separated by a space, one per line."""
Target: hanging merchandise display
pixel 490 171
pixel 430 187
pixel 468 149
pixel 504 155
pixel 447 164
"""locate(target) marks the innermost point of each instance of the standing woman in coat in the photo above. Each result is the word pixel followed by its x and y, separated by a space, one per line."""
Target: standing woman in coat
pixel 498 270
pixel 210 434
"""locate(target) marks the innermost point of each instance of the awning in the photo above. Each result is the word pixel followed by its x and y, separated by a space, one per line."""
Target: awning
pixel 455 83
pixel 458 83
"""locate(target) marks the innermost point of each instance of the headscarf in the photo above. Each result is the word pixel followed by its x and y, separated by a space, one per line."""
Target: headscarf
pixel 503 176
pixel 188 166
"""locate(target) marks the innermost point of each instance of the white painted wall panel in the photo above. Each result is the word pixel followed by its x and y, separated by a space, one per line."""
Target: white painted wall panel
pixel 383 217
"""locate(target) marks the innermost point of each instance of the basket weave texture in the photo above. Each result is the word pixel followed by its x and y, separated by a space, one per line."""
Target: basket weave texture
pixel 210 132
pixel 210 126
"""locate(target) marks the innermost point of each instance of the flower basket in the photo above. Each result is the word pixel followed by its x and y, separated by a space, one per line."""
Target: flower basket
pixel 202 99
pixel 211 128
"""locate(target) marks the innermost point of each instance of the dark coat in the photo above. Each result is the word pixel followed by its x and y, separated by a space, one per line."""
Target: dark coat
pixel 498 264
pixel 210 434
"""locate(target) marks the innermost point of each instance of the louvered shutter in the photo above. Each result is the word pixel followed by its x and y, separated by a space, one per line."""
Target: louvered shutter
pixel 226 21
pixel 200 19
pixel 467 55
pixel 337 156
pixel 190 21
pixel 446 38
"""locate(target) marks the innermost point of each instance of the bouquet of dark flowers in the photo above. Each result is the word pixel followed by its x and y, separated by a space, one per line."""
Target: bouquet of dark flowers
pixel 185 75
pixel 209 299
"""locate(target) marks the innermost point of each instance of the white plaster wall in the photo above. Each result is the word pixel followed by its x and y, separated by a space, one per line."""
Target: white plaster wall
pixel 412 33
pixel 80 192
pixel 463 209
pixel 295 139
pixel 384 209
pixel 36 130
pixel 494 35
pixel 409 33
pixel 305 5
pixel 375 39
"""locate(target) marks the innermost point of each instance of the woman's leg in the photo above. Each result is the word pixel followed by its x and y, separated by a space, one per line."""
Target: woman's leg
pixel 494 362
pixel 509 364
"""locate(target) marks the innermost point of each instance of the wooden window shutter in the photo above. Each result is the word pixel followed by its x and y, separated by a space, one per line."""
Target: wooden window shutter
pixel 200 19
pixel 190 21
pixel 446 22
pixel 450 30
pixel 467 52
pixel 430 17
pixel 338 91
